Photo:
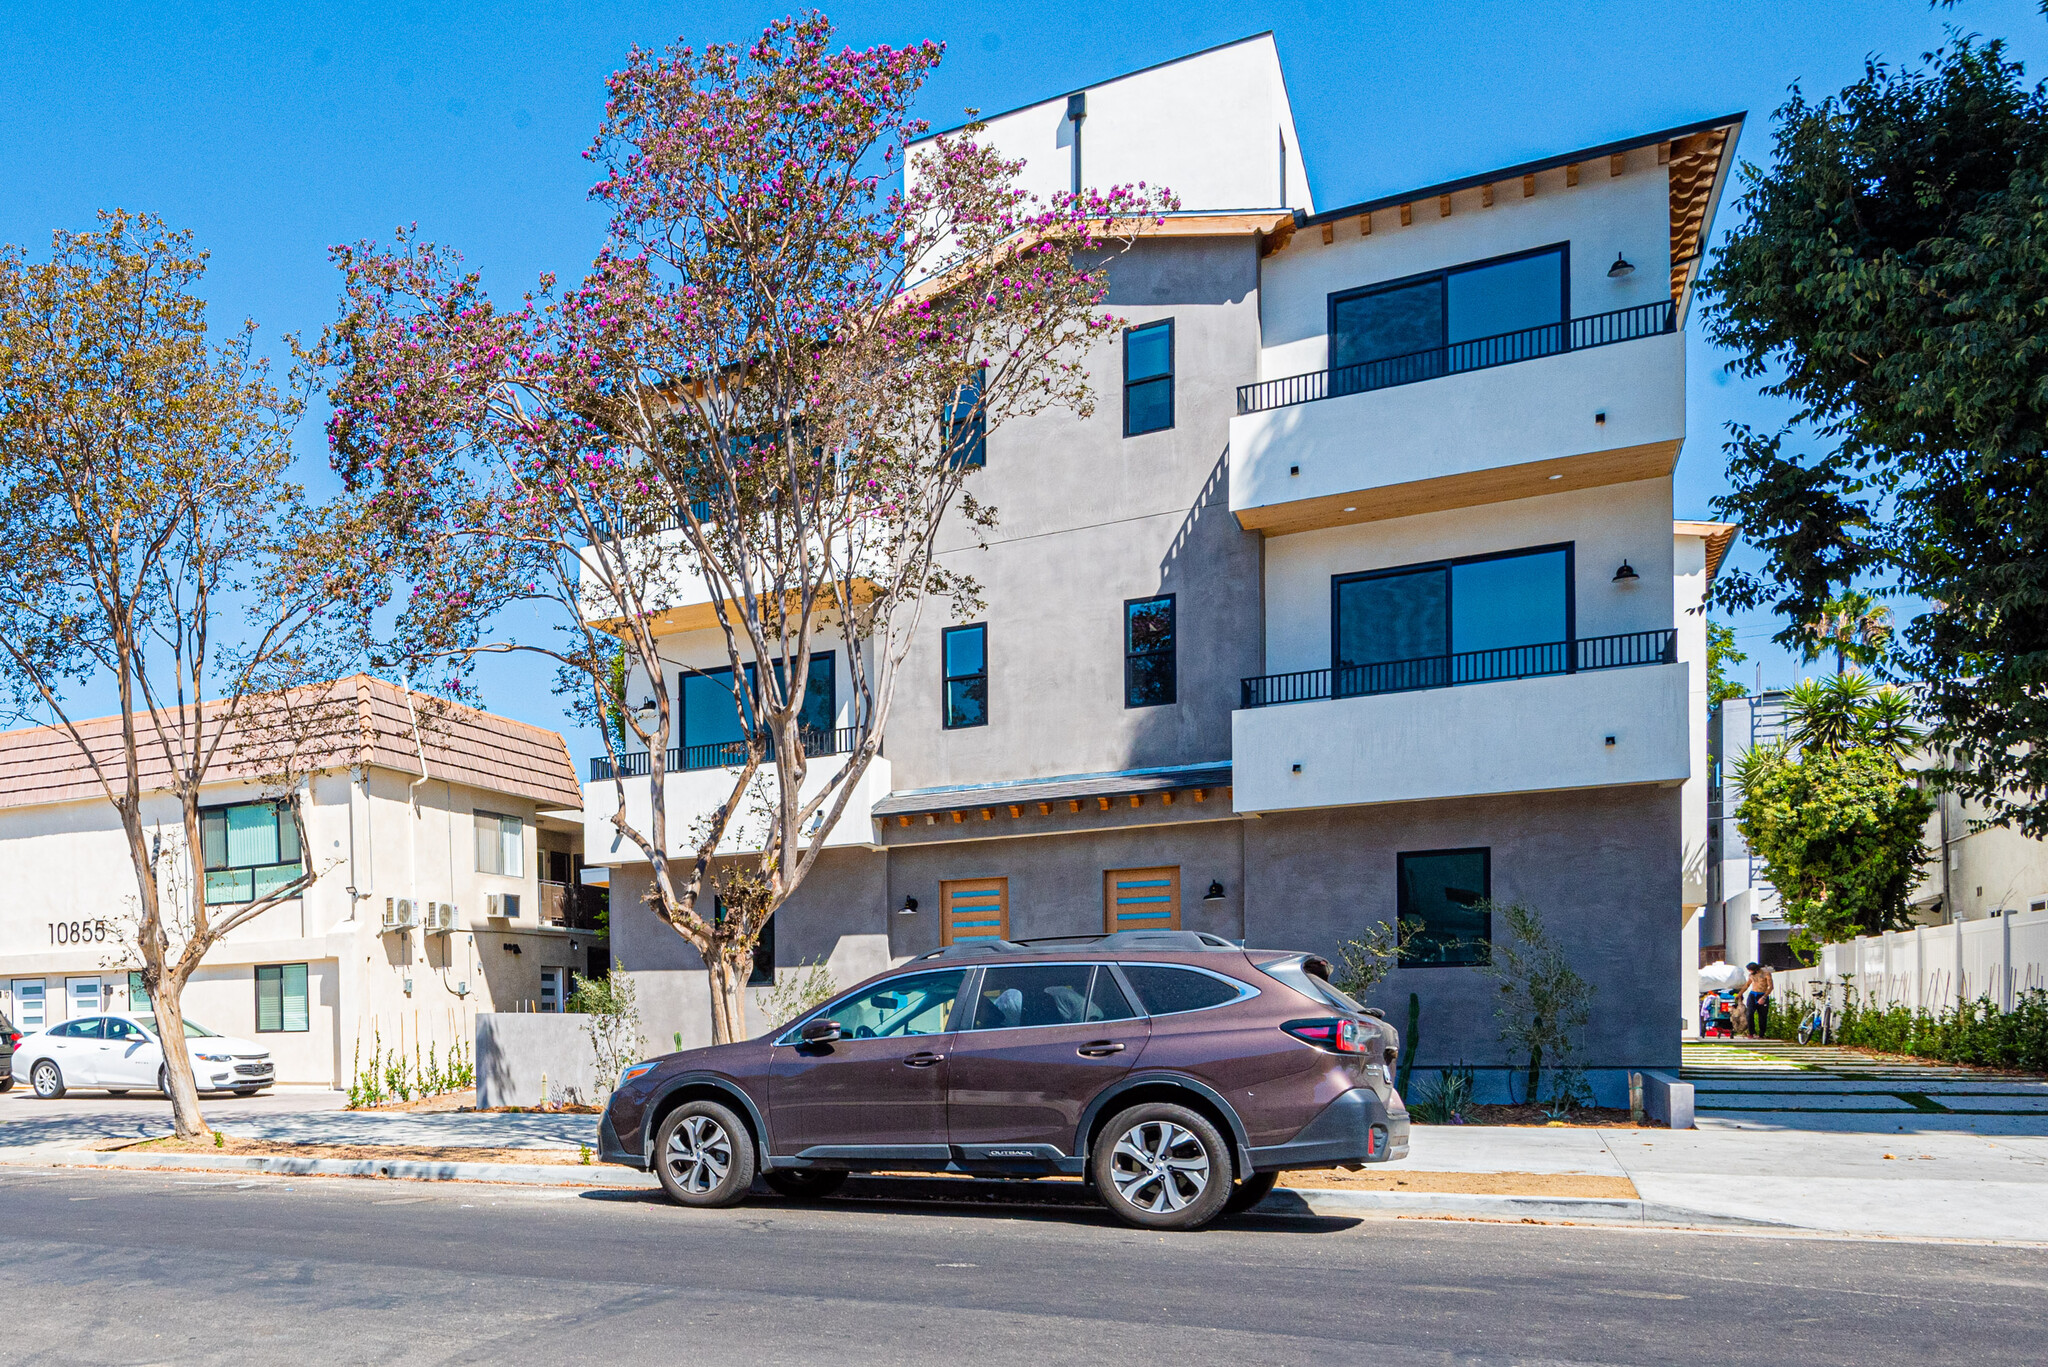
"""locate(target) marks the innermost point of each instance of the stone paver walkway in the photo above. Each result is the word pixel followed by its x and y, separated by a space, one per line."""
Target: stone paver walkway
pixel 1768 1084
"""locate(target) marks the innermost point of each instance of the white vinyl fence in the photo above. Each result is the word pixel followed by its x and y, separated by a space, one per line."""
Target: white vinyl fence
pixel 1930 968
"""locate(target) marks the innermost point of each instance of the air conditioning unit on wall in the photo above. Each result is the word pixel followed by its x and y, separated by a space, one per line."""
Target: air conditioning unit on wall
pixel 440 918
pixel 400 913
pixel 503 906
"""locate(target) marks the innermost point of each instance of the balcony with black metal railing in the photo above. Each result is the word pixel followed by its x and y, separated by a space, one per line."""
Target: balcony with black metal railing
pixel 1479 353
pixel 683 759
pixel 1465 667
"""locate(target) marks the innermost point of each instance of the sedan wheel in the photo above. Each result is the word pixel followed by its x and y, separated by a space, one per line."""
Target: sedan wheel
pixel 1161 1166
pixel 704 1155
pixel 805 1184
pixel 48 1082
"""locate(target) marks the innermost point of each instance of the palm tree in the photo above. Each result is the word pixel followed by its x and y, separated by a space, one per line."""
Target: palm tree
pixel 1847 711
pixel 1855 625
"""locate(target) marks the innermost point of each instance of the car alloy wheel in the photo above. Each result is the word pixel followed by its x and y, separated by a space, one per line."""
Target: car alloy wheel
pixel 1161 1166
pixel 49 1083
pixel 704 1155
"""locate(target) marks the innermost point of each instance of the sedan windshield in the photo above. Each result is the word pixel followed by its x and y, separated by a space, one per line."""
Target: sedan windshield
pixel 191 1030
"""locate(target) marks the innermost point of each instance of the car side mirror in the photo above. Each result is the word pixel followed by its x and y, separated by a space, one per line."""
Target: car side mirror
pixel 822 1032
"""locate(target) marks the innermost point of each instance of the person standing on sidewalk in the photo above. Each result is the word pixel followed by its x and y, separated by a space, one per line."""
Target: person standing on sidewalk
pixel 1756 997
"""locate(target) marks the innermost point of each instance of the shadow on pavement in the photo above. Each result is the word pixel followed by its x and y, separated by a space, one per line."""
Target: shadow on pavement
pixel 1283 1213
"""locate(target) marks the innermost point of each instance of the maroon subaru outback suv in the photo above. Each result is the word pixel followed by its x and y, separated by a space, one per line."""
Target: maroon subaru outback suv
pixel 1176 1072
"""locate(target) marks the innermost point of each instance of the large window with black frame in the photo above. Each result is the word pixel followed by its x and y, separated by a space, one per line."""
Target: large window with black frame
pixel 1444 902
pixel 1481 618
pixel 1149 670
pixel 1148 378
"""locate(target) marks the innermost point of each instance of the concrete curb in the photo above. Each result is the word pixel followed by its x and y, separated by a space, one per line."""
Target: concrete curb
pixel 1283 1201
pixel 1590 1209
pixel 533 1174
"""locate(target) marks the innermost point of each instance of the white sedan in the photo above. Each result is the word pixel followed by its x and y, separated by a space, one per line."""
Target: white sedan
pixel 123 1053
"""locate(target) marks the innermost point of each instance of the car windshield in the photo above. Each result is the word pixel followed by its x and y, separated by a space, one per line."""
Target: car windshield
pixel 191 1031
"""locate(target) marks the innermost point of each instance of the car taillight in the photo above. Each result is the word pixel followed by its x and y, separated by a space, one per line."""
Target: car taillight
pixel 14 1040
pixel 1338 1034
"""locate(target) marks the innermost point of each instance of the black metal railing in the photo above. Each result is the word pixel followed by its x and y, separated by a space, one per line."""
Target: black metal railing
pixel 1481 353
pixel 610 529
pixel 719 755
pixel 1466 667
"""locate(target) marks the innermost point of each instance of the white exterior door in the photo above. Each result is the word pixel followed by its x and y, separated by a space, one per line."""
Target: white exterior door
pixel 84 997
pixel 28 1004
pixel 551 989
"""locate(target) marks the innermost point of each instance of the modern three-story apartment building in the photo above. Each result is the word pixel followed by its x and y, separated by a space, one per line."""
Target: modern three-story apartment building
pixel 1357 599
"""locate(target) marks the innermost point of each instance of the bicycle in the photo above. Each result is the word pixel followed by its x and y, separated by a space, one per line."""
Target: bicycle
pixel 1819 1021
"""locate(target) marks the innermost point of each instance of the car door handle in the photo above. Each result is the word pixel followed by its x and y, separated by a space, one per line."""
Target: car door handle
pixel 924 1060
pixel 1101 1048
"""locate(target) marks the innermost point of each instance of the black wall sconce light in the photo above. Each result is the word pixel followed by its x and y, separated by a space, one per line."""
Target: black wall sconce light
pixel 1626 574
pixel 1215 892
pixel 511 948
pixel 1621 269
pixel 909 907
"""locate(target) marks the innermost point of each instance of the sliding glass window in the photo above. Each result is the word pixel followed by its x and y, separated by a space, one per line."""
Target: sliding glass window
pixel 1462 318
pixel 251 850
pixel 714 723
pixel 1504 616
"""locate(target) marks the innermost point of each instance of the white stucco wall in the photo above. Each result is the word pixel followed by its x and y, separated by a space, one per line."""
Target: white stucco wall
pixel 69 862
pixel 1621 521
pixel 1515 736
pixel 1602 215
pixel 1210 127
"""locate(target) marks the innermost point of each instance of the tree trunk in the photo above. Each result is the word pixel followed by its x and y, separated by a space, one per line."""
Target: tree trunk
pixel 728 997
pixel 1535 1072
pixel 168 1000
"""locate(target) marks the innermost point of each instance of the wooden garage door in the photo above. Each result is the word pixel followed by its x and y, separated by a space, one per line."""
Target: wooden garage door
pixel 974 909
pixel 1141 899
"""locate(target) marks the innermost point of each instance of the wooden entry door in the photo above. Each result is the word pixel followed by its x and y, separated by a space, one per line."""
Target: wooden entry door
pixel 1141 899
pixel 974 909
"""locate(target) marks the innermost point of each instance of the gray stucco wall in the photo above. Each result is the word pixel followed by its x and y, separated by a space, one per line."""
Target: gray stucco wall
pixel 1090 518
pixel 519 1053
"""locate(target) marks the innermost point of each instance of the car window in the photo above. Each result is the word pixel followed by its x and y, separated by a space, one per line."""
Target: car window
pixel 85 1029
pixel 1013 996
pixel 902 1006
pixel 122 1030
pixel 1166 990
pixel 1107 1001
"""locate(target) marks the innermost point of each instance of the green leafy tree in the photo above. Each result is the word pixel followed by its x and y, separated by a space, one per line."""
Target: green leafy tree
pixel 1834 814
pixel 1722 656
pixel 1543 1007
pixel 1890 278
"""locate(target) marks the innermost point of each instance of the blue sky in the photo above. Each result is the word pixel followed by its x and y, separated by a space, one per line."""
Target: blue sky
pixel 275 131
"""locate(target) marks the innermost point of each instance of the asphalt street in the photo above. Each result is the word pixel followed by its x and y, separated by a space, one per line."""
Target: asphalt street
pixel 145 1268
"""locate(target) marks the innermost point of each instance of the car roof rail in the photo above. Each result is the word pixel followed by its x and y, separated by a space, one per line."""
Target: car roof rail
pixel 1164 939
pixel 962 948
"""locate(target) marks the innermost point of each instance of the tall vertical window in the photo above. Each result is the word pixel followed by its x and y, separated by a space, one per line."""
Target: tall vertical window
pixel 966 427
pixel 1443 903
pixel 1465 621
pixel 1149 675
pixel 1148 378
pixel 966 663
pixel 251 850
pixel 138 996
pixel 500 844
pixel 281 999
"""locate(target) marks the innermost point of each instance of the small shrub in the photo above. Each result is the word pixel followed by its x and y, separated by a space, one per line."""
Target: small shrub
pixel 1445 1098
pixel 794 993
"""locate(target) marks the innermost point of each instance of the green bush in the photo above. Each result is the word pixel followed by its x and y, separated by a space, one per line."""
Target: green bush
pixel 1972 1032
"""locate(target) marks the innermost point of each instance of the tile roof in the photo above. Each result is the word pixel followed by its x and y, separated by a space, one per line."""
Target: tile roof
pixel 463 745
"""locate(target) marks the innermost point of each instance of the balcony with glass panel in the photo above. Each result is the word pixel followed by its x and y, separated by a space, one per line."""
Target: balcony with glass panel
pixel 1458 387
pixel 1461 679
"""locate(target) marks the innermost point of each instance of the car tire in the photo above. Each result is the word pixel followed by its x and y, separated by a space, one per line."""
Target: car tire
pixel 1161 1166
pixel 47 1079
pixel 163 1080
pixel 805 1184
pixel 704 1155
pixel 1250 1192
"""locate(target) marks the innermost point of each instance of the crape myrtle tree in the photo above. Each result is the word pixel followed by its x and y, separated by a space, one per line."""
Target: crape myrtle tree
pixel 1890 278
pixel 152 545
pixel 763 399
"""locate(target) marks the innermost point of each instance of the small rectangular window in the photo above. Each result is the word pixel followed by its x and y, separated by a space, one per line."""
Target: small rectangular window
pixel 1148 378
pixel 1141 899
pixel 1444 899
pixel 966 664
pixel 974 909
pixel 1148 651
pixel 967 426
pixel 500 844
pixel 138 996
pixel 281 999
pixel 250 850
